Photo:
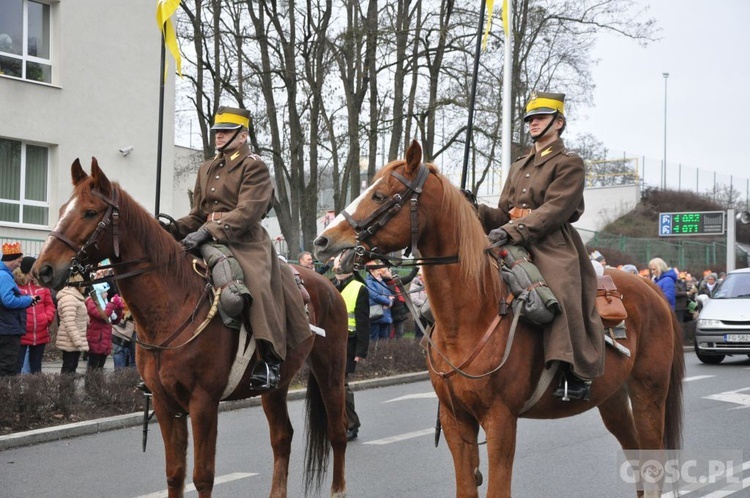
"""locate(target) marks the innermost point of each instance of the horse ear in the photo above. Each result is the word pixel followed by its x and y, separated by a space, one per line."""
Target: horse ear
pixel 413 156
pixel 101 182
pixel 77 173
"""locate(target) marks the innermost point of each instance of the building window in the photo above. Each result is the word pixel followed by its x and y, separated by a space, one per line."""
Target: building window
pixel 25 36
pixel 24 183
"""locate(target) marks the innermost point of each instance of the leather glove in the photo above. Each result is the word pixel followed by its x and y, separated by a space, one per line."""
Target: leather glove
pixel 498 237
pixel 195 239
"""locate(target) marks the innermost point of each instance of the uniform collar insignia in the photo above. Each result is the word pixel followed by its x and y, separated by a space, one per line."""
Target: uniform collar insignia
pixel 546 151
pixel 234 156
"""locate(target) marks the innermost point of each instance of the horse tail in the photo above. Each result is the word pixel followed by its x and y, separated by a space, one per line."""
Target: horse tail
pixel 318 446
pixel 673 407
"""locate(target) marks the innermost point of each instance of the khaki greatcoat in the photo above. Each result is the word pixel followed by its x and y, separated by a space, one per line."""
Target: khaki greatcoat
pixel 233 193
pixel 550 183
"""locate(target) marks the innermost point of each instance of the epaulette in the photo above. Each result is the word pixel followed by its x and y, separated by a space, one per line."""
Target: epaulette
pixel 570 153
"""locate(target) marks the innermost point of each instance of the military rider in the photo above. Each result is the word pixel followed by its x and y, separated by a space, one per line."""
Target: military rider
pixel 233 193
pixel 542 196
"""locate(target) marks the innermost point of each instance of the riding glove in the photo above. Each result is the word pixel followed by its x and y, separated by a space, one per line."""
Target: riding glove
pixel 498 237
pixel 195 239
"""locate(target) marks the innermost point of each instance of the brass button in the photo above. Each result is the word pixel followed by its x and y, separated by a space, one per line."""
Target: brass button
pixel 528 175
pixel 524 190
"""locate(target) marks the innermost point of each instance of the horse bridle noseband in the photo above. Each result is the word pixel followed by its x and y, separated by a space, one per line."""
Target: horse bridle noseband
pixel 390 208
pixel 77 262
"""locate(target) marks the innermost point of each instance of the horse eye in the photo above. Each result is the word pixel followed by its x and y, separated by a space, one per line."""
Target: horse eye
pixel 379 197
pixel 90 213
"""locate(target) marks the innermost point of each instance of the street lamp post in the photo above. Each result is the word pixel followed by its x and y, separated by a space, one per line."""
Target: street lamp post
pixel 664 161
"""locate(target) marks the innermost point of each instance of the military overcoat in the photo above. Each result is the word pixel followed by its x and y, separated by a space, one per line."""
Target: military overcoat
pixel 550 184
pixel 233 193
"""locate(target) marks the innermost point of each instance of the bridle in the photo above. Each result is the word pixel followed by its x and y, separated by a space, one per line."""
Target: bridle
pixel 78 261
pixel 391 207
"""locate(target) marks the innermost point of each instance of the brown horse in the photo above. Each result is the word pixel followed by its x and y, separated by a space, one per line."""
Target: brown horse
pixel 639 397
pixel 187 376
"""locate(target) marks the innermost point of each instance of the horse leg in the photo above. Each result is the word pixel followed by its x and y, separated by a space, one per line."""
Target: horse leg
pixel 277 414
pixel 501 430
pixel 648 399
pixel 175 435
pixel 204 417
pixel 461 435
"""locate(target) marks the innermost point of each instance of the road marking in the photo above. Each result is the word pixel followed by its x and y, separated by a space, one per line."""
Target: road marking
pixel 697 377
pixel 413 396
pixel 402 437
pixel 217 480
pixel 737 469
pixel 736 397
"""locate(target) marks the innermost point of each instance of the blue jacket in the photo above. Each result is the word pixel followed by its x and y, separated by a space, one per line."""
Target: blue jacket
pixel 12 304
pixel 379 293
pixel 666 282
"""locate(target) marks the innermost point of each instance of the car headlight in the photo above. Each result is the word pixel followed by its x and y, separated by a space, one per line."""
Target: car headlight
pixel 706 323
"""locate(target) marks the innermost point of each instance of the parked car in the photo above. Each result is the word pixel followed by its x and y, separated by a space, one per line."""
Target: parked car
pixel 723 326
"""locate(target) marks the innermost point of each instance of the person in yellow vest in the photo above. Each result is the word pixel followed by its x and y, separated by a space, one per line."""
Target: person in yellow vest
pixel 357 299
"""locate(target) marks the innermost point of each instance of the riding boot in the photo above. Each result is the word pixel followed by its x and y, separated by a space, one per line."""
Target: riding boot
pixel 143 387
pixel 572 387
pixel 266 372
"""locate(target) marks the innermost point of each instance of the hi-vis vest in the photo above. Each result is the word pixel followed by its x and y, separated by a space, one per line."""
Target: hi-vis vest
pixel 350 293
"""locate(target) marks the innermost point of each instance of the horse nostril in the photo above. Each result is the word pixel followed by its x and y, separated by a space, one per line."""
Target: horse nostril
pixel 45 274
pixel 320 242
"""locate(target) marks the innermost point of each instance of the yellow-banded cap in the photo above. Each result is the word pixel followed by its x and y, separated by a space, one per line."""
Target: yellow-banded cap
pixel 544 103
pixel 231 118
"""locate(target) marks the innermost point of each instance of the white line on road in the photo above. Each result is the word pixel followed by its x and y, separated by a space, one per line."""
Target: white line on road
pixel 402 437
pixel 218 480
pixel 697 377
pixel 413 396
pixel 737 469
pixel 737 397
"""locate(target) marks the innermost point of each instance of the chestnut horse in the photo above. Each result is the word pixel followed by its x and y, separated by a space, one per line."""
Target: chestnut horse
pixel 187 376
pixel 639 397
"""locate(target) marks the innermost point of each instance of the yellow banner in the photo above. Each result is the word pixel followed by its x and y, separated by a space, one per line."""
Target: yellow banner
pixel 164 11
pixel 490 8
pixel 506 19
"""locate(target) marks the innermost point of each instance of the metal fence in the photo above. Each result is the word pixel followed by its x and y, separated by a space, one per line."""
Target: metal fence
pixel 30 247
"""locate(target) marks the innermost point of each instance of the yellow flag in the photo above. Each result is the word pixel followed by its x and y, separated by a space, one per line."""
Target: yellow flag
pixel 164 11
pixel 490 8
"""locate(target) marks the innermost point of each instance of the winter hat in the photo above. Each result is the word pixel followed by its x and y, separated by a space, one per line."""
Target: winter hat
pixel 26 263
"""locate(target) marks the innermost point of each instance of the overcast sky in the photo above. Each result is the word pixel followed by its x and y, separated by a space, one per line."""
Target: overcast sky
pixel 705 48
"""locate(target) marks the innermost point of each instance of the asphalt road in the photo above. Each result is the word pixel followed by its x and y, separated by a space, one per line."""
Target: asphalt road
pixel 394 455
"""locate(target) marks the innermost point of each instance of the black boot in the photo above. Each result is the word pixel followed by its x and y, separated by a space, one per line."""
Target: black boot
pixel 143 387
pixel 265 375
pixel 572 387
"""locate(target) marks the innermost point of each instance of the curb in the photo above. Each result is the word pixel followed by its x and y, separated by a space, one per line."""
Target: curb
pixel 76 429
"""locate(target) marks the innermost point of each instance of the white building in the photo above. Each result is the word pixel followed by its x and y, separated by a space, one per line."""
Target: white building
pixel 79 78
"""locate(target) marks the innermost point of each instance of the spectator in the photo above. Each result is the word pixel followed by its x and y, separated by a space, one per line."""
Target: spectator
pixel 680 297
pixel 598 257
pixel 305 259
pixel 708 285
pixel 71 333
pixel 99 330
pixel 12 310
pixel 419 298
pixel 357 300
pixel 399 311
pixel 123 340
pixel 630 269
pixel 380 328
pixel 665 278
pixel 38 318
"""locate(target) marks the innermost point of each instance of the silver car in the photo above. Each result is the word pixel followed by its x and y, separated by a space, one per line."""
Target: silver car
pixel 723 326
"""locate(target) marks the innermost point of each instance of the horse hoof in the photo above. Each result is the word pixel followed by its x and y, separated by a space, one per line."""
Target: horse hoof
pixel 478 476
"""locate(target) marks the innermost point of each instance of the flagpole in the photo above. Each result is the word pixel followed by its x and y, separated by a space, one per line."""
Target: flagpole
pixel 160 138
pixel 472 98
pixel 507 93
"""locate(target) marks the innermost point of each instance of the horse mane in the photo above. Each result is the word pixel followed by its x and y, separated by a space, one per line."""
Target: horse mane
pixel 163 250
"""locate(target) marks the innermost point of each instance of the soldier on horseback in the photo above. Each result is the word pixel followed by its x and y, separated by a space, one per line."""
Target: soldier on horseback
pixel 542 197
pixel 233 193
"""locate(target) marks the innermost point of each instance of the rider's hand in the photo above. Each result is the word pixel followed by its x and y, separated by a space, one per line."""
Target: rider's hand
pixel 195 239
pixel 498 237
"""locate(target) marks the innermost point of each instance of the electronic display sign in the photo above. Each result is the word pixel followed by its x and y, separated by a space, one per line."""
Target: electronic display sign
pixel 692 223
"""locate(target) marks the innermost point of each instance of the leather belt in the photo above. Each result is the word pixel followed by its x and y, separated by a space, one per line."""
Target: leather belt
pixel 516 213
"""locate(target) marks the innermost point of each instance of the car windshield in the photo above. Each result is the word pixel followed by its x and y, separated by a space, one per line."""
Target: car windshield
pixel 734 286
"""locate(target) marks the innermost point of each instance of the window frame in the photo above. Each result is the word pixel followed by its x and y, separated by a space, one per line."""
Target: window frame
pixel 22 201
pixel 24 57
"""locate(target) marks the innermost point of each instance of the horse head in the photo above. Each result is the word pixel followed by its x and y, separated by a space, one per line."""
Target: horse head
pixel 76 240
pixel 386 217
